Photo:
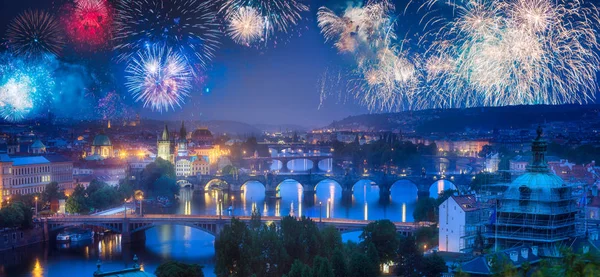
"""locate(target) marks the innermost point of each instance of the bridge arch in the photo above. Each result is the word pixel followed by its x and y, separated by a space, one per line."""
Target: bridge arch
pixel 184 183
pixel 288 180
pixel 440 185
pixel 334 182
pixel 243 187
pixel 215 184
pixel 209 228
pixel 365 182
pixel 404 182
pixel 308 163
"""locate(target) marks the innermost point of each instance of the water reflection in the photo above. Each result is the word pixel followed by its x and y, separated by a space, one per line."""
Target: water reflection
pixel 438 187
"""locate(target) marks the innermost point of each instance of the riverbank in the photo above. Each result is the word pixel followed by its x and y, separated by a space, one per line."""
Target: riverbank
pixel 11 239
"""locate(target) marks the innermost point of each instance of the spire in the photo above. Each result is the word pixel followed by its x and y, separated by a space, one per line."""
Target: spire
pixel 182 132
pixel 538 148
pixel 165 133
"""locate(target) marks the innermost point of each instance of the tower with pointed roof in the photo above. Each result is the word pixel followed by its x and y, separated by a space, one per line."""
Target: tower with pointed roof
pixel 537 209
pixel 164 146
pixel 182 150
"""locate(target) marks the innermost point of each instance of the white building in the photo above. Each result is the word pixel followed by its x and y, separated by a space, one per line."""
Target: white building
pixel 460 219
pixel 492 161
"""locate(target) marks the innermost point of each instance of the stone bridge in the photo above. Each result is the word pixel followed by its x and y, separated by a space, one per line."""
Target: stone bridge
pixel 310 181
pixel 262 163
pixel 133 227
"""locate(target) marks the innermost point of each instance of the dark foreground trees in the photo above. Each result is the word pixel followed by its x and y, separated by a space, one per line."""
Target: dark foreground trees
pixel 178 269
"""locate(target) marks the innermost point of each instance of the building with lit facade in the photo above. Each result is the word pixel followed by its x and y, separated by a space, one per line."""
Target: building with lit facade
pixel 461 221
pixel 31 174
pixel 164 146
pixel 102 148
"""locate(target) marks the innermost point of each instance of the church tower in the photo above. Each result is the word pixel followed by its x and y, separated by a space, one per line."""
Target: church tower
pixel 182 142
pixel 164 145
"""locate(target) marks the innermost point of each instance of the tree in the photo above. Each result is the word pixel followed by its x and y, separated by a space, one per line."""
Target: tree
pixel 178 269
pixel 425 210
pixel 164 186
pixel 433 266
pixel 301 238
pixel 299 269
pixel 338 263
pixel 361 266
pixel 322 267
pixel 382 234
pixel 51 192
pixel 501 267
pixel 332 240
pixel 13 216
pixel 233 250
pixel 154 171
pixel 408 257
pixel 77 202
pixel 255 221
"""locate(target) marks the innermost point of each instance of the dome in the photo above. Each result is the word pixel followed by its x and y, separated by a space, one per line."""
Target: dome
pixel 541 185
pixel 101 140
pixel 201 133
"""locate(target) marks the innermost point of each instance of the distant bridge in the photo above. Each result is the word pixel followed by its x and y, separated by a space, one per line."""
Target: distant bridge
pixel 133 227
pixel 257 163
pixel 309 182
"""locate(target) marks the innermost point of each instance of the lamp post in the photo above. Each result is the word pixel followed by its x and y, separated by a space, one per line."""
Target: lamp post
pixel 220 209
pixel 329 208
pixel 36 209
pixel 141 199
pixel 125 205
pixel 232 204
pixel 320 209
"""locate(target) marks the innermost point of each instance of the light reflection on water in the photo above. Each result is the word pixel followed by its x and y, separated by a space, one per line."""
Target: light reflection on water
pixel 192 245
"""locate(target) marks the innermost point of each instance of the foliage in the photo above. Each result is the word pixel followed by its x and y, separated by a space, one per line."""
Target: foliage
pixel 158 179
pixel 425 210
pixel 338 263
pixel 433 266
pixel 51 192
pixel 77 202
pixel 382 235
pixel 579 155
pixel 16 215
pixel 178 269
pixel 362 266
pixel 233 250
pixel 427 235
pixel 408 257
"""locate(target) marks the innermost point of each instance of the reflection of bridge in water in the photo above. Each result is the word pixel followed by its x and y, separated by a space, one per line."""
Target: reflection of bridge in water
pixel 309 182
pixel 133 227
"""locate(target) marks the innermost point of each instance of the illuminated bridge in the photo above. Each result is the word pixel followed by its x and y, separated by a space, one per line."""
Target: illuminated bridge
pixel 133 227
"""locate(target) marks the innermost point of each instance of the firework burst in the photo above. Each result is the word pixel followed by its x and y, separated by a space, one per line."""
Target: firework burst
pixel 159 77
pixel 518 52
pixel 88 23
pixel 246 26
pixel 189 26
pixel 25 87
pixel 34 34
pixel 280 15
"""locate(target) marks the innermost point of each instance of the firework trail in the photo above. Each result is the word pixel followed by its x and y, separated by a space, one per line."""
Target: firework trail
pixel 159 77
pixel 88 23
pixel 384 77
pixel 497 53
pixel 189 26
pixel 34 34
pixel 111 106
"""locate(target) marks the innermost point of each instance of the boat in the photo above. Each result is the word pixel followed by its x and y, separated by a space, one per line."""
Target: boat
pixel 64 236
pixel 82 235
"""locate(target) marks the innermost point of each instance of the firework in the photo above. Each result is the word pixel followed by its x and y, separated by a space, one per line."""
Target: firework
pixel 111 106
pixel 359 28
pixel 25 86
pixel 280 15
pixel 34 34
pixel 518 52
pixel 189 26
pixel 246 26
pixel 159 77
pixel 88 22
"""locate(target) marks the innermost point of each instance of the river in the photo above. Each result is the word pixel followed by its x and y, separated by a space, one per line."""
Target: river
pixel 190 245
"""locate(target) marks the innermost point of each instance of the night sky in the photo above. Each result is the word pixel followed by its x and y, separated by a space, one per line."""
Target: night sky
pixel 272 85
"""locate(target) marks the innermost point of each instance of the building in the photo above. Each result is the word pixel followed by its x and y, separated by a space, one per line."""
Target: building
pixel 517 257
pixel 101 148
pixel 183 166
pixel 211 153
pixel 182 149
pixel 518 164
pixel 110 171
pixel 38 147
pixel 202 136
pixel 461 220
pixel 31 174
pixel 492 161
pixel 537 208
pixel 200 166
pixel 164 146
pixel 136 164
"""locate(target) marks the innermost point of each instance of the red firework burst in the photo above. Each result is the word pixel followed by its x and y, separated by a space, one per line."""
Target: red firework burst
pixel 88 23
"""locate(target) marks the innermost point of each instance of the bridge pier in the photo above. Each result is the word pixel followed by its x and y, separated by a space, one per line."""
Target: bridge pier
pixel 347 196
pixel 128 237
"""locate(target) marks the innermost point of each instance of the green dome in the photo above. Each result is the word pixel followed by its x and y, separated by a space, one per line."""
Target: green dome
pixel 38 144
pixel 101 140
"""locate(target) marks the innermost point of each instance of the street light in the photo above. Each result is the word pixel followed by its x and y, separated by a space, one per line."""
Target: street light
pixel 125 205
pixel 36 210
pixel 320 206
pixel 220 209
pixel 232 204
pixel 140 197
pixel 329 208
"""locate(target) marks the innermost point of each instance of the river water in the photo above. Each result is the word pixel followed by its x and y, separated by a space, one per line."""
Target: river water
pixel 194 246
